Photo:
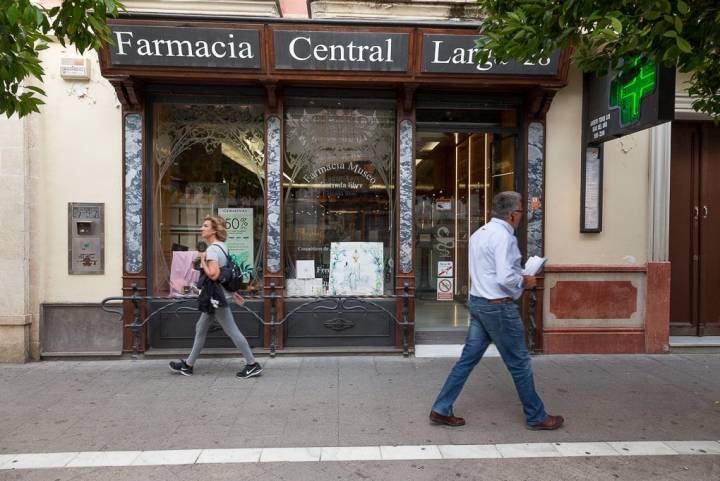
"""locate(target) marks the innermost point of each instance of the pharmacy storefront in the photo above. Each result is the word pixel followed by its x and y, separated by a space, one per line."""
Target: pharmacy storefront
pixel 351 161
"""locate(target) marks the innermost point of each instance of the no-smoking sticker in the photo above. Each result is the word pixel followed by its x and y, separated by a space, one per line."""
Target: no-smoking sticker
pixel 445 289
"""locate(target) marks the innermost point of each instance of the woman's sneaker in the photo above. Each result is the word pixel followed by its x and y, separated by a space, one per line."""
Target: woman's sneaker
pixel 181 367
pixel 250 370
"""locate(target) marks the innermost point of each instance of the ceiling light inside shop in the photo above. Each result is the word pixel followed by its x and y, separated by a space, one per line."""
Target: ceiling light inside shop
pixel 429 146
pixel 241 158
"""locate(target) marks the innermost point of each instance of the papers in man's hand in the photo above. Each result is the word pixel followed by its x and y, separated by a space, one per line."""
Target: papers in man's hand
pixel 533 265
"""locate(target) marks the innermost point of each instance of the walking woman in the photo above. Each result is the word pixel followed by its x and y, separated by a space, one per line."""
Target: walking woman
pixel 214 301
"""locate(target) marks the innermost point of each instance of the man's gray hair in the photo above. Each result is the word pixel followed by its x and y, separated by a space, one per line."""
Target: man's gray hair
pixel 504 203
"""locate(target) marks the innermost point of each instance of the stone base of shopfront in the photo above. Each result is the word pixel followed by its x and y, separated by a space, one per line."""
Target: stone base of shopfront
pixel 80 329
pixel 606 309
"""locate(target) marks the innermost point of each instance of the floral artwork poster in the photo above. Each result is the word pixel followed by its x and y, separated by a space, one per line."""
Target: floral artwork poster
pixel 356 269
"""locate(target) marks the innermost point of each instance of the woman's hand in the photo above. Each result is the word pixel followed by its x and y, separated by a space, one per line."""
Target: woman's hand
pixel 238 299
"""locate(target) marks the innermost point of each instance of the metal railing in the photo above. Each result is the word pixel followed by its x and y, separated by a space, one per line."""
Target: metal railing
pixel 532 326
pixel 179 304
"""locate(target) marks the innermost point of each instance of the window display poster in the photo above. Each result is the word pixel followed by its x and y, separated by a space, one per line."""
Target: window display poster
pixel 356 268
pixel 239 223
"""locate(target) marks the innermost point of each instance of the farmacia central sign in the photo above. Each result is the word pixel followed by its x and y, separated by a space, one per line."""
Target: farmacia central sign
pixel 185 47
pixel 307 50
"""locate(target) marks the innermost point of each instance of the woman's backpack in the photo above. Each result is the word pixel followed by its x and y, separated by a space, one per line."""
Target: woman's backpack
pixel 231 277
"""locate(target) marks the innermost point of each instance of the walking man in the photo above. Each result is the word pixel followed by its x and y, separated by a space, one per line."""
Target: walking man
pixel 497 283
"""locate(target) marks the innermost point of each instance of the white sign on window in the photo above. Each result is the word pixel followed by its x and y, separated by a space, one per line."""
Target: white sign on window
pixel 305 269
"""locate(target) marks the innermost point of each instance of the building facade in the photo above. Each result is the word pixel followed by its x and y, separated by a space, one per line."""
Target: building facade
pixel 353 151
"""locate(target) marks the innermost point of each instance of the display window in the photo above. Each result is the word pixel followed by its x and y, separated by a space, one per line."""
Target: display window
pixel 207 159
pixel 338 187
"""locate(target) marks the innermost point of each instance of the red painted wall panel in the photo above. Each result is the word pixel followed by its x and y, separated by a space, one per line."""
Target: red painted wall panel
pixel 593 300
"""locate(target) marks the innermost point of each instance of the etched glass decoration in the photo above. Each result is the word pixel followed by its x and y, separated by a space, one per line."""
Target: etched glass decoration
pixel 339 188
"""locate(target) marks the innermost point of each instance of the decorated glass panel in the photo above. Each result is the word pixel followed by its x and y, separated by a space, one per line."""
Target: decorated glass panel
pixel 338 187
pixel 208 159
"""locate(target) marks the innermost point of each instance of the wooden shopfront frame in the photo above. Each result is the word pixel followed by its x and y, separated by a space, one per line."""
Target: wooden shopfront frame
pixel 131 82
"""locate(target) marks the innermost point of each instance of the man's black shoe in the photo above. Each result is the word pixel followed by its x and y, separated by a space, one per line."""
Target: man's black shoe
pixel 181 367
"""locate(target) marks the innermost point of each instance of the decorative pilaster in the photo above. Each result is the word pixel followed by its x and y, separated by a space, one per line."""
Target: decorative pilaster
pixel 134 258
pixel 405 200
pixel 273 276
pixel 535 227
pixel 659 202
pixel 16 319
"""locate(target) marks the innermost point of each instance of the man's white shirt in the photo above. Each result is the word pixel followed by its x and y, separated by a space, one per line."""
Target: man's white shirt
pixel 495 261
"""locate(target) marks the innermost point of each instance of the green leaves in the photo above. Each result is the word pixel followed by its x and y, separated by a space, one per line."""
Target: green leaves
pixel 12 13
pixel 24 32
pixel 681 33
pixel 683 44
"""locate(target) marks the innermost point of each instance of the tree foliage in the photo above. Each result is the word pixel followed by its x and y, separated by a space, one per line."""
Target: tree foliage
pixel 677 33
pixel 25 28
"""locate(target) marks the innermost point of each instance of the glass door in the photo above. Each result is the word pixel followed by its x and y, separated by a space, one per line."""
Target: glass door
pixel 457 175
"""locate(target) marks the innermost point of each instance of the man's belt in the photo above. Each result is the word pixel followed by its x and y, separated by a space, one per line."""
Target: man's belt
pixel 502 300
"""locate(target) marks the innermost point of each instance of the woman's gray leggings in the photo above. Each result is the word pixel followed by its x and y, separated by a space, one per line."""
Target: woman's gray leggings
pixel 225 318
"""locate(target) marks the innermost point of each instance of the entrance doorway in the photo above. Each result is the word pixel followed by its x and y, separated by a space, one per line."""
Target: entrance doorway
pixel 695 229
pixel 457 175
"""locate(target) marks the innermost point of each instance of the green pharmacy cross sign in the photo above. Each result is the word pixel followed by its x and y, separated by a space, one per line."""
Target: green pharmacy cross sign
pixel 621 103
pixel 627 94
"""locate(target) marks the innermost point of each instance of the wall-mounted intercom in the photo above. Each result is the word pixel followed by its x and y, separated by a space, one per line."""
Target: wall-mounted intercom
pixel 86 238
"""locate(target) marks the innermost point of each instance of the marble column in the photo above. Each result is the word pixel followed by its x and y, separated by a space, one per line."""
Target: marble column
pixel 406 185
pixel 274 194
pixel 535 196
pixel 133 194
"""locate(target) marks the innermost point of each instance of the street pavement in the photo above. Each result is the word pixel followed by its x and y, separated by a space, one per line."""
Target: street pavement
pixel 377 404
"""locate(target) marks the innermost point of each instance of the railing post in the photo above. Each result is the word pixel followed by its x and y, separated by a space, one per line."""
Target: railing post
pixel 273 316
pixel 136 324
pixel 532 302
pixel 405 321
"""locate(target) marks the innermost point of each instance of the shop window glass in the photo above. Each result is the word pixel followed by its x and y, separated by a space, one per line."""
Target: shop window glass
pixel 339 176
pixel 207 159
pixel 457 175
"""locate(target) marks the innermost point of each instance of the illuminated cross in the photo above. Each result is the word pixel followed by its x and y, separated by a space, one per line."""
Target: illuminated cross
pixel 627 94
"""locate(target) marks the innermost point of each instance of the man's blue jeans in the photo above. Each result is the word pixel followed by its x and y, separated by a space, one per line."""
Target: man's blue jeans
pixel 500 324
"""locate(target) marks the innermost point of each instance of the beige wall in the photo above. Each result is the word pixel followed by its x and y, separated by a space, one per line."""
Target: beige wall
pixel 624 237
pixel 80 160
